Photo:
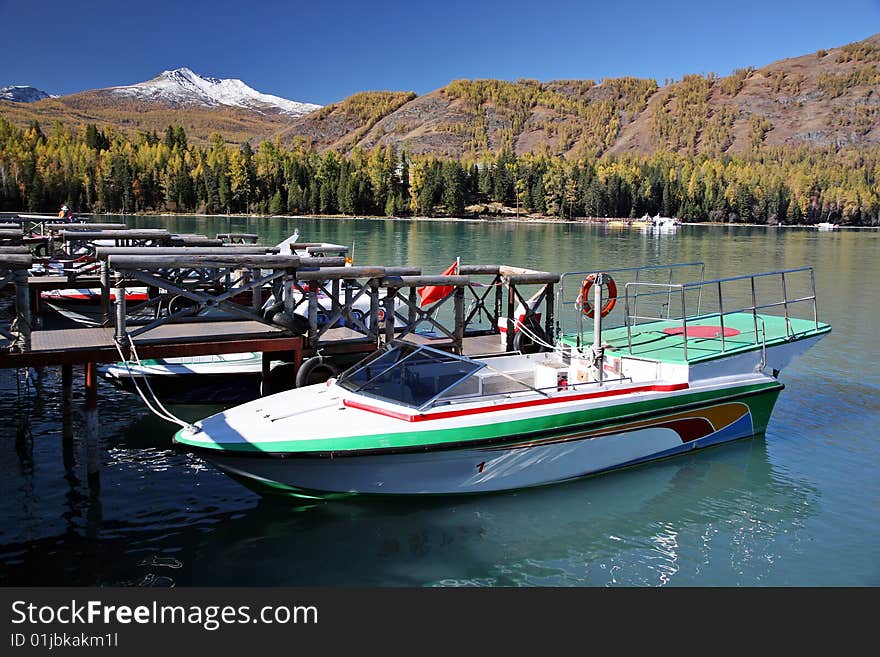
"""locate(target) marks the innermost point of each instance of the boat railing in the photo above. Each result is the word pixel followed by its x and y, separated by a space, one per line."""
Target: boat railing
pixel 763 342
pixel 687 270
pixel 635 290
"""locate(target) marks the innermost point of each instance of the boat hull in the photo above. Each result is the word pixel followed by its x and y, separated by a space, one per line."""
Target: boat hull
pixel 199 389
pixel 223 379
pixel 518 463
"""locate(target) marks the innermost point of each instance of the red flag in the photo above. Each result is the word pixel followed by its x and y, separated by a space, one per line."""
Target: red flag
pixel 432 293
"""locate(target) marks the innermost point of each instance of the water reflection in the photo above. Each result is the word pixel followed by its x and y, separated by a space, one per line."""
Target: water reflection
pixel 616 529
pixel 674 522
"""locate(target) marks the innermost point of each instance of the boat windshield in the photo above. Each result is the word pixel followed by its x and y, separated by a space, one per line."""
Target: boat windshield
pixel 409 375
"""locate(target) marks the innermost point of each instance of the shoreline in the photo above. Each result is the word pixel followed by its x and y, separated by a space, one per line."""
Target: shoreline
pixel 615 222
pixel 593 221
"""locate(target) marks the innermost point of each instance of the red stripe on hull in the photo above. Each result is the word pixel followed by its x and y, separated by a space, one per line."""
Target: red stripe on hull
pixel 410 417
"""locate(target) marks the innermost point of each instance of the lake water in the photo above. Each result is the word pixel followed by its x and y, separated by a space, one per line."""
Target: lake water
pixel 798 506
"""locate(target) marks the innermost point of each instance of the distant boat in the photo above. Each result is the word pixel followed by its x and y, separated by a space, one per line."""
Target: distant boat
pixel 660 223
pixel 825 225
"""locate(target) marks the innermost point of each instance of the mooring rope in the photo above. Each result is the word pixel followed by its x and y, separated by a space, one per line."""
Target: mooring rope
pixel 164 414
pixel 518 325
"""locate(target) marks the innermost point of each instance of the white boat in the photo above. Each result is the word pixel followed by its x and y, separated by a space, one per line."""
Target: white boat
pixel 660 223
pixel 213 379
pixel 414 420
pixel 83 305
pixel 826 225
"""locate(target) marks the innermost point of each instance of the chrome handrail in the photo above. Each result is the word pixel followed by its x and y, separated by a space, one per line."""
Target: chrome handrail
pixel 668 289
pixel 763 342
pixel 560 290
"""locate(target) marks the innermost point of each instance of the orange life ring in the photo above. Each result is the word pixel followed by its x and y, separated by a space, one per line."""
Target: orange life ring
pixel 583 300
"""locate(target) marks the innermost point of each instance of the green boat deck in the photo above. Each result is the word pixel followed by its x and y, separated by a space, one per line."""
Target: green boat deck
pixel 650 341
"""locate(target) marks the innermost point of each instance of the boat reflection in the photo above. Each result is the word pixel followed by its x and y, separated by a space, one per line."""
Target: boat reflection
pixel 653 525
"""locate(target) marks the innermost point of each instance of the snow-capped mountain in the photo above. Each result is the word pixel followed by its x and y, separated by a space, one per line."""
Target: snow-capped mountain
pixel 23 94
pixel 184 87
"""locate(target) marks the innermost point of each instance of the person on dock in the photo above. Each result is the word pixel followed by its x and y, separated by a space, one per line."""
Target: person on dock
pixel 65 213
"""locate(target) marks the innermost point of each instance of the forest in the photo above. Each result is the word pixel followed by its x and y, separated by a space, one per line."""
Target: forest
pixel 96 170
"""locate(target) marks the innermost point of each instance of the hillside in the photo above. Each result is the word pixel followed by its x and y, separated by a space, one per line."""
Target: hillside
pixel 341 126
pixel 821 99
pixel 130 117
pixel 827 98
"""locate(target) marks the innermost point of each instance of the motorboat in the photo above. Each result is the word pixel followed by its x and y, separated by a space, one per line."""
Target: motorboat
pixel 212 379
pixel 660 223
pixel 826 225
pixel 83 305
pixel 413 420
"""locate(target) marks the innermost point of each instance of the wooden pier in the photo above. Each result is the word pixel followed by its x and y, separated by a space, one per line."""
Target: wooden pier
pixel 233 295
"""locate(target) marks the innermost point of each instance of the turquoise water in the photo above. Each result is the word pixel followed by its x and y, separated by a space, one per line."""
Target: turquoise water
pixel 797 506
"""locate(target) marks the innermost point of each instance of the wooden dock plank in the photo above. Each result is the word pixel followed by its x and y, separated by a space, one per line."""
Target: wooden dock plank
pixel 96 345
pixel 206 331
pixel 71 339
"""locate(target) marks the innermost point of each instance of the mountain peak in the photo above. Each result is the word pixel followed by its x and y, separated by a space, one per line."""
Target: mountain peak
pixel 184 74
pixel 183 86
pixel 19 93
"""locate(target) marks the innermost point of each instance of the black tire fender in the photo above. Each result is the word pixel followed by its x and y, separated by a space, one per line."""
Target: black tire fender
pixel 524 343
pixel 316 369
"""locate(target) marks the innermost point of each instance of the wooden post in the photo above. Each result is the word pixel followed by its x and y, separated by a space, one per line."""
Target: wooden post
pixel 91 385
pixel 413 303
pixel 458 302
pixel 256 293
pixel 389 314
pixel 287 299
pixel 121 332
pixel 93 454
pixel 33 307
pixel 511 320
pixel 66 384
pixel 105 293
pixel 346 313
pixel 313 313
pixel 499 293
pixel 374 308
pixel 67 453
pixel 23 309
pixel 334 294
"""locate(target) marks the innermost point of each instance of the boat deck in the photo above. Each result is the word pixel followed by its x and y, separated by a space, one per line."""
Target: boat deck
pixel 663 341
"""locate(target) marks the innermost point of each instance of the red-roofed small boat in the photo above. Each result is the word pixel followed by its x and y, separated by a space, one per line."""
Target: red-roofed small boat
pixel 83 305
pixel 411 419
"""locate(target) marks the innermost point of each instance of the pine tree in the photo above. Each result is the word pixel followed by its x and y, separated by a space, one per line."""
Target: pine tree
pixel 276 204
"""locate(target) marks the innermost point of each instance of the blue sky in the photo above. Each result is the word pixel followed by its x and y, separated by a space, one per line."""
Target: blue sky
pixel 324 51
